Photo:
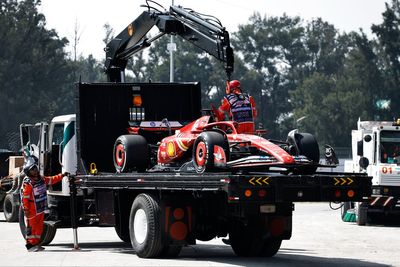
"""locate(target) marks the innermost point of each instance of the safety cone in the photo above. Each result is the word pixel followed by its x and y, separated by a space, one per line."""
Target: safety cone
pixel 350 216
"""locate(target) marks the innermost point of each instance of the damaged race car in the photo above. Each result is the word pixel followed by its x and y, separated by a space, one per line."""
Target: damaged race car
pixel 208 146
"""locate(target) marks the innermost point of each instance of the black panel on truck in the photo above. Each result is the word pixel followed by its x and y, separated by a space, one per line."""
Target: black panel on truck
pixel 104 112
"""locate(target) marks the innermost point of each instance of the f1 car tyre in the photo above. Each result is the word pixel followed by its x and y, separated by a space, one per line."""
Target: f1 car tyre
pixel 308 146
pixel 49 231
pixel 145 226
pixel 203 150
pixel 131 152
pixel 10 208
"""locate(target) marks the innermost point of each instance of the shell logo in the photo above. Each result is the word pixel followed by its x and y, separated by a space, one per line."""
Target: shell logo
pixel 171 149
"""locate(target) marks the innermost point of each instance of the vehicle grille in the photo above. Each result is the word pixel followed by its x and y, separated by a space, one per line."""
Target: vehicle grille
pixel 391 181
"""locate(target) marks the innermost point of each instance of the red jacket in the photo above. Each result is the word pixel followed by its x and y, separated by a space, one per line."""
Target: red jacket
pixel 242 109
pixel 34 194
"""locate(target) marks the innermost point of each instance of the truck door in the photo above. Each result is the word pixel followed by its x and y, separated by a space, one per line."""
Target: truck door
pixel 34 142
pixel 62 152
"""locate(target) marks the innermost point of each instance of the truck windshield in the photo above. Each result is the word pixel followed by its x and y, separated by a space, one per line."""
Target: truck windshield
pixel 390 147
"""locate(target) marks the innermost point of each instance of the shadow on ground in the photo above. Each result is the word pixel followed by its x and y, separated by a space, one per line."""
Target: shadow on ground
pixel 223 254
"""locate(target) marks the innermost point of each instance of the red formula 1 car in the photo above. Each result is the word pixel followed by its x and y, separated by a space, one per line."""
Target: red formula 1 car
pixel 205 146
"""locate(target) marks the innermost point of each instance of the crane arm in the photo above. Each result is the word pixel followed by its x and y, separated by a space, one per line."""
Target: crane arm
pixel 205 32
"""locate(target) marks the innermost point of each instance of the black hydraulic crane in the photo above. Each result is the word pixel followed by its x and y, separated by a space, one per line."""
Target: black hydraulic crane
pixel 203 31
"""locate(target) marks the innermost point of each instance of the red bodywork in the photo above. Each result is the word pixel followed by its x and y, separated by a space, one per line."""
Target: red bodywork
pixel 174 148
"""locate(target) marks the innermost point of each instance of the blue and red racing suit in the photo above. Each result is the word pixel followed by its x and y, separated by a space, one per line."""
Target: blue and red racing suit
pixel 242 109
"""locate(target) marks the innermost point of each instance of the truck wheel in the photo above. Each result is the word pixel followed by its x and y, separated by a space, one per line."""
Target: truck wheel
pixel 10 208
pixel 2 196
pixel 271 247
pixel 131 152
pixel 49 232
pixel 246 240
pixel 308 146
pixel 362 214
pixel 123 236
pixel 145 226
pixel 170 251
pixel 203 150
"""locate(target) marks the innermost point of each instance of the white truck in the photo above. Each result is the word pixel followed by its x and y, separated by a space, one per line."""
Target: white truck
pixel 376 151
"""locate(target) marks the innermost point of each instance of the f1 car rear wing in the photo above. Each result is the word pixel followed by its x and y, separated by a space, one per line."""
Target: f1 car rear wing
pixel 204 31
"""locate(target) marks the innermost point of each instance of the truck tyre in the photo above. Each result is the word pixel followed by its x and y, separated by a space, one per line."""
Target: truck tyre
pixel 2 196
pixel 271 247
pixel 10 208
pixel 308 146
pixel 203 150
pixel 170 251
pixel 361 214
pixel 131 152
pixel 343 210
pixel 145 226
pixel 246 240
pixel 49 232
pixel 123 236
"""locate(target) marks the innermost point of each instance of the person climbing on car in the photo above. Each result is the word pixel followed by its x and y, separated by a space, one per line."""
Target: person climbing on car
pixel 241 107
pixel 34 201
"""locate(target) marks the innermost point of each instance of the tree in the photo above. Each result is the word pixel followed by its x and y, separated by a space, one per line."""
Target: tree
pixel 33 68
pixel 330 107
pixel 270 48
pixel 388 33
pixel 191 64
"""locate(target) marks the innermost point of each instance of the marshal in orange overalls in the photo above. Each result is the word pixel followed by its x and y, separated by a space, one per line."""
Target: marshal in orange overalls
pixel 34 202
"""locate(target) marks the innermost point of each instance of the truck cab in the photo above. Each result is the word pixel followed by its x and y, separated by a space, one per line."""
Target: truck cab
pixel 54 145
pixel 376 151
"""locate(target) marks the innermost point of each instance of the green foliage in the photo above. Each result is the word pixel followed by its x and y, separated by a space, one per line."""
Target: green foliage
pixel 388 33
pixel 301 74
pixel 330 107
pixel 32 68
pixel 87 70
pixel 270 48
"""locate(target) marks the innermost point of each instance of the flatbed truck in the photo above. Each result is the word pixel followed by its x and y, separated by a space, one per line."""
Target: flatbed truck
pixel 158 212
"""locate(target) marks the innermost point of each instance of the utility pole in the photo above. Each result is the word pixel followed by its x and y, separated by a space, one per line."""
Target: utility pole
pixel 171 47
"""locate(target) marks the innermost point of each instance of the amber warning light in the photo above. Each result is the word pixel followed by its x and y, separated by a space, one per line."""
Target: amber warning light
pixel 137 100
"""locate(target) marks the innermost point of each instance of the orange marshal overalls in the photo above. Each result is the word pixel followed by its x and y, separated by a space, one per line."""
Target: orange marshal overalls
pixel 242 108
pixel 34 203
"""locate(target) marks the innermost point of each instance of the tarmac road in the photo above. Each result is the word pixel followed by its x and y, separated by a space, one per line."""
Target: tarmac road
pixel 319 238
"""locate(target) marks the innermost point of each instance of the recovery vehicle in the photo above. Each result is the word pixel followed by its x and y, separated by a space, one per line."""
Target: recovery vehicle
pixel 376 151
pixel 159 210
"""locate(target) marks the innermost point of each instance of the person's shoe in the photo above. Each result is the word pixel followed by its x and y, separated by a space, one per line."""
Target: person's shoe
pixel 36 249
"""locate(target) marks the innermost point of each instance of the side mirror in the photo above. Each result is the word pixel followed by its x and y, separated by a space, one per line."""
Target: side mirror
pixel 364 162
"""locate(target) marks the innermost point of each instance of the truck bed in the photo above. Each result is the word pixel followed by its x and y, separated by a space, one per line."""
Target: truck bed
pixel 275 187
